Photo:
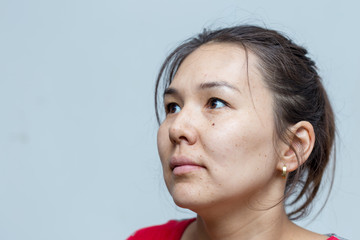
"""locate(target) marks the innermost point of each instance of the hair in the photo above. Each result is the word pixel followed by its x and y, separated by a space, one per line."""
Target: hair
pixel 298 96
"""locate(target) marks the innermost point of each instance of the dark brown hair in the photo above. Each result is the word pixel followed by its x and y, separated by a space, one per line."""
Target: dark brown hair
pixel 298 96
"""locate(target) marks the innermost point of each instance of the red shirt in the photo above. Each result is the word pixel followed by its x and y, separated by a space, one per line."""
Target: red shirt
pixel 172 230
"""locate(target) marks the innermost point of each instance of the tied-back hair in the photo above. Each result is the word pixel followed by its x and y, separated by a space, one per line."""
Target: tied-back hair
pixel 298 96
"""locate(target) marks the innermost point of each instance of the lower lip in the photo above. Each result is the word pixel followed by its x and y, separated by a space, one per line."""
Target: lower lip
pixel 183 169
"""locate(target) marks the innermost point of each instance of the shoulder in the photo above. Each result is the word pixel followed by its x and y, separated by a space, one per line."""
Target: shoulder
pixel 334 237
pixel 173 229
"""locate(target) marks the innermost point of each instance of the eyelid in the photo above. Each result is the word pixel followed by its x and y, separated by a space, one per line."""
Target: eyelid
pixel 168 106
pixel 217 99
pixel 171 104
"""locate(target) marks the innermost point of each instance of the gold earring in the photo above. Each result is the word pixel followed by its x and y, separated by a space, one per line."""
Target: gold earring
pixel 284 171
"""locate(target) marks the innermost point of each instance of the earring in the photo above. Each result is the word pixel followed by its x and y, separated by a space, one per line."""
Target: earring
pixel 284 171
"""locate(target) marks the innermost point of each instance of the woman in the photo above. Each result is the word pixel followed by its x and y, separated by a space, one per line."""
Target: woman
pixel 247 126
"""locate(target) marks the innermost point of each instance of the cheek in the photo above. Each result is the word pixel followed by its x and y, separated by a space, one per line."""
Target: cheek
pixel 244 153
pixel 239 142
pixel 163 143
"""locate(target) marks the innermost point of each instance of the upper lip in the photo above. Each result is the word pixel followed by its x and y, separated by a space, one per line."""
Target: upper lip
pixel 176 161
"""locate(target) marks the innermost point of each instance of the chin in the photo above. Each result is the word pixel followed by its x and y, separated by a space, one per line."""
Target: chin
pixel 187 197
pixel 188 204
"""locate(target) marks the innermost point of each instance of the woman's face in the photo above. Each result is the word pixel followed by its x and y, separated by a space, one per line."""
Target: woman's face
pixel 216 143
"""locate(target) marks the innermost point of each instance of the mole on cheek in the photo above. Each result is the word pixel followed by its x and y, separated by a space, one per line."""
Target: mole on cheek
pixel 213 124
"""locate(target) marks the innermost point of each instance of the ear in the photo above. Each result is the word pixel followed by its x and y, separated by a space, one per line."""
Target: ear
pixel 302 140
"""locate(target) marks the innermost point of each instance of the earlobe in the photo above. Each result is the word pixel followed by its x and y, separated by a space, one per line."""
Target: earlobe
pixel 299 148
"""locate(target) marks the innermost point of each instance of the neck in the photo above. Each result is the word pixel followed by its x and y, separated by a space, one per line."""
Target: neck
pixel 257 218
pixel 247 224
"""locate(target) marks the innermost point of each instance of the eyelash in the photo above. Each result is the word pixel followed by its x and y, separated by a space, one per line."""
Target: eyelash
pixel 213 99
pixel 169 107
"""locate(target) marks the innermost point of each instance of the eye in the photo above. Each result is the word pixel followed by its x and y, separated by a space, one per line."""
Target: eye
pixel 214 103
pixel 172 108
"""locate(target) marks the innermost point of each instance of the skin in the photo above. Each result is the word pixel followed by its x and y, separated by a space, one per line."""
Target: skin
pixel 220 119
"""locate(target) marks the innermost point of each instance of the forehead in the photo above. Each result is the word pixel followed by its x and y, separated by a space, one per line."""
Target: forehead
pixel 218 62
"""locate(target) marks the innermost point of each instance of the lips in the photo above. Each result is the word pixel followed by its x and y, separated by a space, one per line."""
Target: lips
pixel 182 165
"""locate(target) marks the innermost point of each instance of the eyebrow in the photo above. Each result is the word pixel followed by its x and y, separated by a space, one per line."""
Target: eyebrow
pixel 170 91
pixel 216 84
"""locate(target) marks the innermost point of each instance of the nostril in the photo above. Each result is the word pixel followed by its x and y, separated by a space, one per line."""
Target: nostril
pixel 182 134
pixel 177 135
pixel 172 140
pixel 183 138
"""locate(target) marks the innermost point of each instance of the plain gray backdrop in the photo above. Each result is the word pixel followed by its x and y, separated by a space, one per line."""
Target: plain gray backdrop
pixel 78 156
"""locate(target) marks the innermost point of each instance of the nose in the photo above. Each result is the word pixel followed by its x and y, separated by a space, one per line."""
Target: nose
pixel 183 129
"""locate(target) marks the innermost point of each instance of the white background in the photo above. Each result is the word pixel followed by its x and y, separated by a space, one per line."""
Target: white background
pixel 78 157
